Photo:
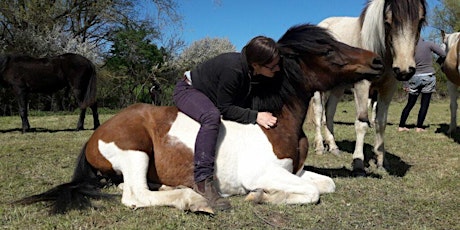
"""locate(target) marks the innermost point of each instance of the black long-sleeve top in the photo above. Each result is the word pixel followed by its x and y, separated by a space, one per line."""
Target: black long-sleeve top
pixel 226 80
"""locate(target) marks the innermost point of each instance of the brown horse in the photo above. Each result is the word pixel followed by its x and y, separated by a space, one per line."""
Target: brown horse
pixel 25 75
pixel 451 68
pixel 390 28
pixel 153 144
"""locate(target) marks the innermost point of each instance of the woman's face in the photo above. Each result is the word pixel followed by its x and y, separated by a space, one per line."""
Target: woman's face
pixel 267 70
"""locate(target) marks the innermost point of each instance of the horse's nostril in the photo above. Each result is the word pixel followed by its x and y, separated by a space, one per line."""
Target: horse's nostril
pixel 411 70
pixel 397 71
pixel 377 63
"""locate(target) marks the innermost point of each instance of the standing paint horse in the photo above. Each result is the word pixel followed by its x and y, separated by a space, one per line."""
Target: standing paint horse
pixel 27 75
pixel 390 28
pixel 154 144
pixel 451 68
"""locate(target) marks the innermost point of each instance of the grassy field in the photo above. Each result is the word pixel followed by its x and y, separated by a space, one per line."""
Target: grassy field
pixel 420 191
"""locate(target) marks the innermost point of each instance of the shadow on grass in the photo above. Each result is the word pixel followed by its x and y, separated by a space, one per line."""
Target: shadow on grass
pixel 393 164
pixel 39 130
pixel 443 128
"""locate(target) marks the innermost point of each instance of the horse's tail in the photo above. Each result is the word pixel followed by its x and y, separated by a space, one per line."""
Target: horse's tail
pixel 76 194
pixel 91 89
pixel 3 63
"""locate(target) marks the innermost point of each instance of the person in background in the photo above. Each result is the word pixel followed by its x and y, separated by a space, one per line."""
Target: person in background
pixel 423 82
pixel 220 87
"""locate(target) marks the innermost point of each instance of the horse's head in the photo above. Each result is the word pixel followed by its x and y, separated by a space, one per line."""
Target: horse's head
pixel 311 52
pixel 391 28
pixel 450 40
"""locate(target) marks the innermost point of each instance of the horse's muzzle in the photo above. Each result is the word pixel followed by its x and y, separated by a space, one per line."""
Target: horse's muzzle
pixel 403 75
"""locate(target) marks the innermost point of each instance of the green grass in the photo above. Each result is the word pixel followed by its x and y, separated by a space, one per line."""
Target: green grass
pixel 422 192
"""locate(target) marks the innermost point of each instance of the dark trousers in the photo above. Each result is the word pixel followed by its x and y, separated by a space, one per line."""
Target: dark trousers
pixel 424 104
pixel 199 107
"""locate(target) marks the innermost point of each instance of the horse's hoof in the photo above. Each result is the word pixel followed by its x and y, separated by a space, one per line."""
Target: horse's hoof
pixel 335 152
pixel 319 152
pixel 358 173
pixel 358 168
pixel 255 196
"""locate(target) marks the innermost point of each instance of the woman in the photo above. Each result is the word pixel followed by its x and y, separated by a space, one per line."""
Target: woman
pixel 220 87
pixel 423 82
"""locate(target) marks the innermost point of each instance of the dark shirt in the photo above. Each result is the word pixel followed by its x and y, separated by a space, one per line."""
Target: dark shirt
pixel 226 80
pixel 423 57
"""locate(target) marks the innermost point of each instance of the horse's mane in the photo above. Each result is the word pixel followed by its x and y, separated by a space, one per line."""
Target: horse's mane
pixel 271 94
pixel 373 20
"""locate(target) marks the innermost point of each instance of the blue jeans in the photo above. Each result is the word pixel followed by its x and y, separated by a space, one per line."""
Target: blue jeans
pixel 199 107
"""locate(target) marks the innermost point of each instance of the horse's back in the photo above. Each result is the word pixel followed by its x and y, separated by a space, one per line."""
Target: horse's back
pixel 344 29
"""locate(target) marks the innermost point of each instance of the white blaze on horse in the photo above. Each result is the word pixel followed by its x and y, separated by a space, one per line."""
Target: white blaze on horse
pixel 451 68
pixel 148 144
pixel 390 28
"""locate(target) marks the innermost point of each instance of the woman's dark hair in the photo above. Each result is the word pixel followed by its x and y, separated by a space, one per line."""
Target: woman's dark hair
pixel 260 50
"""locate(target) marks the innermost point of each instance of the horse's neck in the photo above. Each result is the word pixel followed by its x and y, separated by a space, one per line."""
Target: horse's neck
pixel 290 120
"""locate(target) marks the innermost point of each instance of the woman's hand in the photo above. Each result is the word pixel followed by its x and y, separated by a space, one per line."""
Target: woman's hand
pixel 266 119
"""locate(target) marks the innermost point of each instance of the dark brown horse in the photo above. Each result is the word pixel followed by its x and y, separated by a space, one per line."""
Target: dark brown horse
pixel 154 144
pixel 25 75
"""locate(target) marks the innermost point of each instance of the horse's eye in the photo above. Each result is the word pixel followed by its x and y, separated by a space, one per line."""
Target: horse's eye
pixel 328 52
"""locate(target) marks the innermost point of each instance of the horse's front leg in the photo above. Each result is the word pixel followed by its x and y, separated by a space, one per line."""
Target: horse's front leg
pixel 279 186
pixel 318 112
pixel 331 108
pixel 361 94
pixel 23 109
pixel 453 95
pixel 385 95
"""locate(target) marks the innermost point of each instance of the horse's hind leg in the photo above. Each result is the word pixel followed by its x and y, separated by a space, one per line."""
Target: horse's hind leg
pixel 134 165
pixel 23 112
pixel 453 94
pixel 81 119
pixel 95 115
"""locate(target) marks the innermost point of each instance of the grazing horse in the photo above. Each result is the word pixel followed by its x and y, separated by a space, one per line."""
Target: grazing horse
pixel 451 68
pixel 390 28
pixel 25 75
pixel 154 144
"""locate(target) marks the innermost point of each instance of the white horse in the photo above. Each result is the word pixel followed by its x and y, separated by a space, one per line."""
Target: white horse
pixel 451 68
pixel 391 28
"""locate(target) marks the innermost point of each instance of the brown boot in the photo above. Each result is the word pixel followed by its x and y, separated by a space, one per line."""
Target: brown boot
pixel 208 190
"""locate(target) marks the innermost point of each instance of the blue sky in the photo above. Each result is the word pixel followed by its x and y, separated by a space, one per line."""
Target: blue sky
pixel 240 20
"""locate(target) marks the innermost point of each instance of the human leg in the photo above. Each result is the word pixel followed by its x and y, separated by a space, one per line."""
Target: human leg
pixel 412 99
pixel 199 107
pixel 424 105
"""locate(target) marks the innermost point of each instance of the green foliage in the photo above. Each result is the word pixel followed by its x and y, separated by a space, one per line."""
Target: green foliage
pixel 446 16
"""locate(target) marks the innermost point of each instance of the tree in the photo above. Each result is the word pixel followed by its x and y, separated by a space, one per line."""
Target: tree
pixel 86 21
pixel 446 16
pixel 201 51
pixel 131 58
pixel 174 67
pixel 88 27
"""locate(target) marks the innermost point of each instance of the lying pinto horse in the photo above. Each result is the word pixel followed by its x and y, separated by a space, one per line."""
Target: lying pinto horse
pixel 150 144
